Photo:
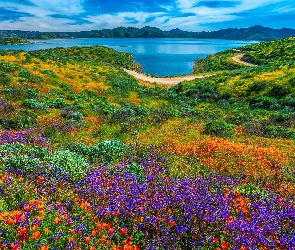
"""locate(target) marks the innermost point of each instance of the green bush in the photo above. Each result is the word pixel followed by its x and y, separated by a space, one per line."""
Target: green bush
pixel 219 128
pixel 137 170
pixel 58 103
pixel 21 162
pixel 278 91
pixel 70 163
pixel 110 150
pixel 26 119
pixel 273 131
pixel 258 86
pixel 76 117
pixel 263 102
pixel 34 104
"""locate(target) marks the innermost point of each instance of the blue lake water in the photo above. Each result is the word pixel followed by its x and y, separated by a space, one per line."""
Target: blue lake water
pixel 159 56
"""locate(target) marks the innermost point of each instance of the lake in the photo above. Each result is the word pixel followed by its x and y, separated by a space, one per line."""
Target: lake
pixel 159 56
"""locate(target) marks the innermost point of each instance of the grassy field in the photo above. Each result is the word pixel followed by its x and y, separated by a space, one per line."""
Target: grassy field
pixel 93 159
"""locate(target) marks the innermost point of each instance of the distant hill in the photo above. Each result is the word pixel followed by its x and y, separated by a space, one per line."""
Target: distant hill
pixel 256 32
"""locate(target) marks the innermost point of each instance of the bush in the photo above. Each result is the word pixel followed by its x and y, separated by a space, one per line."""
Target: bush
pixel 76 117
pixel 123 115
pixel 26 119
pixel 278 91
pixel 219 128
pixel 34 104
pixel 240 118
pixel 263 102
pixel 58 103
pixel 70 163
pixel 137 170
pixel 257 86
pixel 110 150
pixel 279 131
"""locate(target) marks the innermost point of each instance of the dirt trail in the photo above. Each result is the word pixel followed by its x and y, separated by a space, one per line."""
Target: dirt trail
pixel 166 80
pixel 238 58
pixel 178 79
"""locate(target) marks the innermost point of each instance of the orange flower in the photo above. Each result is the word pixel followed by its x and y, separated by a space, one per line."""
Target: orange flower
pixel 71 239
pixel 215 240
pixel 36 235
pixel 111 230
pixel 47 230
pixel 35 227
pixel 92 248
pixel 56 220
pixel 44 247
pixel 93 233
pixel 87 239
pixel 102 239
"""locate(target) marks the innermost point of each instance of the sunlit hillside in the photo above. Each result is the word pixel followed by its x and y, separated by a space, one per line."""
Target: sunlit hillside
pixel 92 158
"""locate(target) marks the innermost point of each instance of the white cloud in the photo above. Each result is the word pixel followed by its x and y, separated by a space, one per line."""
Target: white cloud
pixel 109 21
pixel 63 7
pixel 285 9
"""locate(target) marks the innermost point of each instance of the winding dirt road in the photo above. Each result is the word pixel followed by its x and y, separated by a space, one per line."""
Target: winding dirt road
pixel 176 80
pixel 164 80
pixel 238 58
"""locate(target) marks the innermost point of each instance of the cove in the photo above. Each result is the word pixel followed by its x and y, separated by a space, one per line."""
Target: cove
pixel 158 56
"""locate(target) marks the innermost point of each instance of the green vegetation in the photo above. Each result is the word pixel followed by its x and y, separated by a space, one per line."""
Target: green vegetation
pixel 8 41
pixel 92 158
pixel 256 33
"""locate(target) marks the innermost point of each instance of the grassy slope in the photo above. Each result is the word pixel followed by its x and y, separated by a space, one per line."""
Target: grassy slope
pixel 82 95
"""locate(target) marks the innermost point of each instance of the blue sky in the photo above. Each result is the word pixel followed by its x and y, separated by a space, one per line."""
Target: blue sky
pixel 190 15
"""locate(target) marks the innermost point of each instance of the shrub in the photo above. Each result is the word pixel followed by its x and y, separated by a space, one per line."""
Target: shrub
pixel 219 128
pixel 257 86
pixel 137 170
pixel 80 148
pixel 70 163
pixel 48 72
pixel 34 104
pixel 110 150
pixel 26 119
pixel 239 119
pixel 5 80
pixel 272 131
pixel 76 117
pixel 58 103
pixel 278 91
pixel 123 115
pixel 263 102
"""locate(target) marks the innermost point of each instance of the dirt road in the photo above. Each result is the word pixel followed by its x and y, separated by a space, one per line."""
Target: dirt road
pixel 164 80
pixel 238 58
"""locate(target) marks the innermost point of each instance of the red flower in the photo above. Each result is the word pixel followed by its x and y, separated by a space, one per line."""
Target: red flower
pixel 124 230
pixel 215 240
pixel 224 245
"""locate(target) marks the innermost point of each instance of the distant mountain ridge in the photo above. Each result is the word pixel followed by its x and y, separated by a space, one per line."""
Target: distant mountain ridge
pixel 256 32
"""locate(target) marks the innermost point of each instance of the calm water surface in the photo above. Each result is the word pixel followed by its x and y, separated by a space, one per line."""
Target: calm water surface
pixel 159 56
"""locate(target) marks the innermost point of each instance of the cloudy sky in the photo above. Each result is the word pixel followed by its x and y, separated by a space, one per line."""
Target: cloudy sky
pixel 190 15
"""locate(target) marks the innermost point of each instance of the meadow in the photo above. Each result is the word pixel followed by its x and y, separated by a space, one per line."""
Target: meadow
pixel 92 158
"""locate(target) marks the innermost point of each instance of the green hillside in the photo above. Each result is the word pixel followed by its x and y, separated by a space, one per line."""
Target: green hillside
pixel 92 158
